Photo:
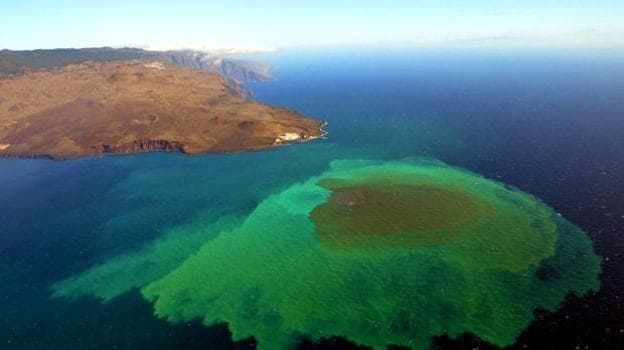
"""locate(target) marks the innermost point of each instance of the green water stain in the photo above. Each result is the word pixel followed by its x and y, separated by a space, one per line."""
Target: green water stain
pixel 133 270
pixel 273 277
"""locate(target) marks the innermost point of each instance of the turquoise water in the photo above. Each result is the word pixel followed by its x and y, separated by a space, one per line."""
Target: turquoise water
pixel 130 220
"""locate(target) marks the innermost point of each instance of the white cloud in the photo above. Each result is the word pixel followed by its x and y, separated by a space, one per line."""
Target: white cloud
pixel 212 48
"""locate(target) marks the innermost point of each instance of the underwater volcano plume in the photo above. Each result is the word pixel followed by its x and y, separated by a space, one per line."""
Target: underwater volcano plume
pixel 378 252
pixel 424 214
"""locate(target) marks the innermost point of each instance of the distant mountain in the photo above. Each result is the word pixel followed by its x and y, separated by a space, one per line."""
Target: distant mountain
pixel 236 70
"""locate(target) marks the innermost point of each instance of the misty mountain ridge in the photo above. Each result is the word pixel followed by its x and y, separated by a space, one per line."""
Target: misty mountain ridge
pixel 238 70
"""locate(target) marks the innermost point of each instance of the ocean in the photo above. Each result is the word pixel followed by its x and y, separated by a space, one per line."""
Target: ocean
pixel 85 243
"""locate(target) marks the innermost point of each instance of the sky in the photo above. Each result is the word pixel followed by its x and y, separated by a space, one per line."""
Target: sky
pixel 266 24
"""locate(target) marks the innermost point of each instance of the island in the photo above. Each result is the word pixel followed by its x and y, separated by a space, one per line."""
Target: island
pixel 128 106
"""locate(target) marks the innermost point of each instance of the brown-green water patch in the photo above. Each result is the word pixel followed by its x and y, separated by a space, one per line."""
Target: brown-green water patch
pixel 421 214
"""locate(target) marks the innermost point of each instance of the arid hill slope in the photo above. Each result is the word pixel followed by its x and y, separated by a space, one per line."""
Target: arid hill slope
pixel 133 106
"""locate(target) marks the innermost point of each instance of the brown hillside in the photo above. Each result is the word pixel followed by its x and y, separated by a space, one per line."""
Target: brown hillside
pixel 133 106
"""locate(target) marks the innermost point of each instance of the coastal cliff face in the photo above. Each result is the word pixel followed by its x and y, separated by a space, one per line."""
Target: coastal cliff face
pixel 136 106
pixel 239 71
pixel 244 71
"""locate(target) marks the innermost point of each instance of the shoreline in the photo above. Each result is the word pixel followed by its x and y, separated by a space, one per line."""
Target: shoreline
pixel 322 135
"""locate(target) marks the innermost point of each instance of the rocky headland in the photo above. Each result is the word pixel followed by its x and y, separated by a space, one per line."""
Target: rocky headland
pixel 127 106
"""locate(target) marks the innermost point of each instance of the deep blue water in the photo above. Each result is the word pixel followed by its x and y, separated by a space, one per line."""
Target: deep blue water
pixel 549 123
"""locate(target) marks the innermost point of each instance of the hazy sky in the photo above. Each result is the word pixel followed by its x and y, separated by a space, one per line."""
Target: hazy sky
pixel 281 23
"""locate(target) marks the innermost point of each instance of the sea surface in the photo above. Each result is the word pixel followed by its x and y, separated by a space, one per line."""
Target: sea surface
pixel 80 239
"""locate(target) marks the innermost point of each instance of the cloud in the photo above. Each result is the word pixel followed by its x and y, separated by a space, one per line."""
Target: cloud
pixel 213 48
pixel 584 37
